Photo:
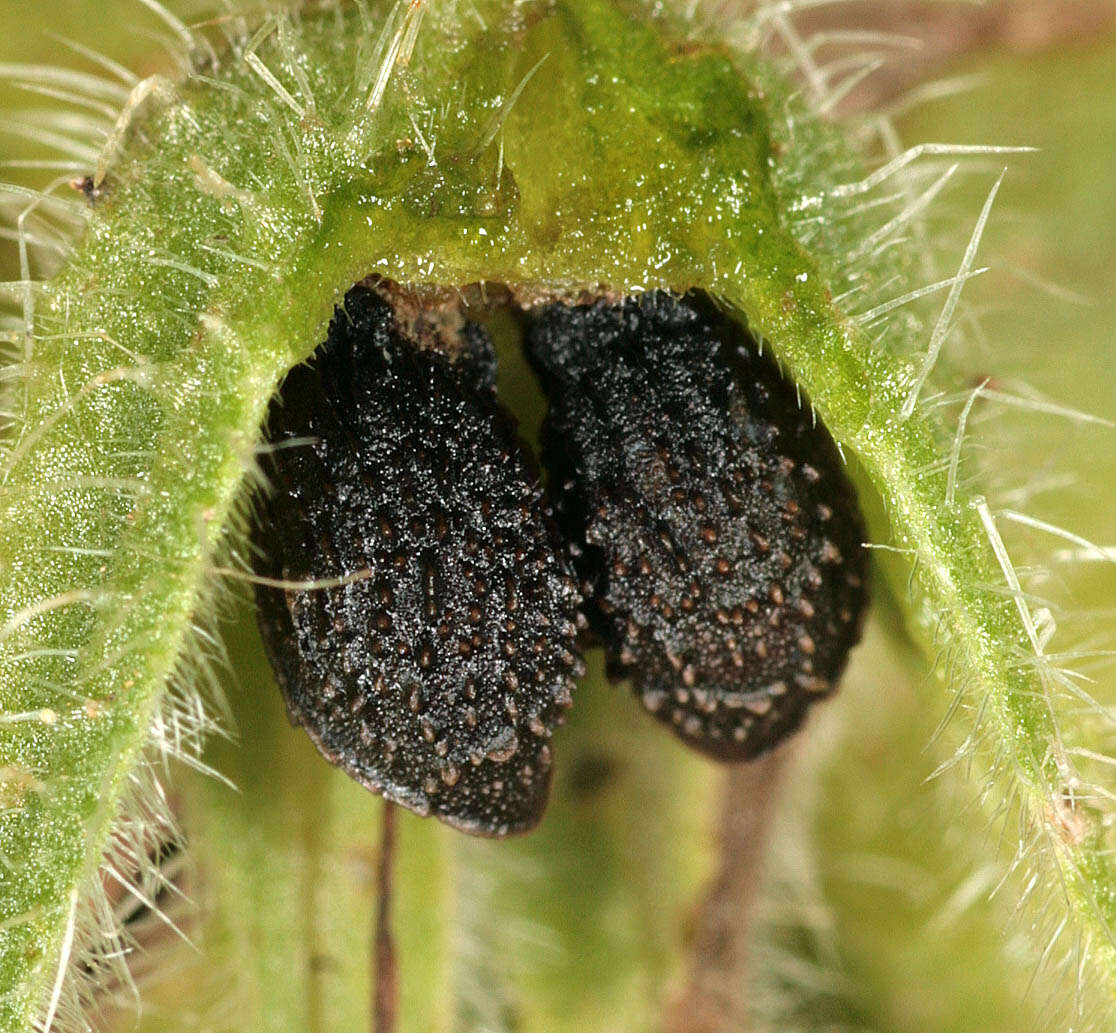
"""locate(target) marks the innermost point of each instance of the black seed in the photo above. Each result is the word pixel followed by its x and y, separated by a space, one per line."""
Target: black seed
pixel 399 675
pixel 718 533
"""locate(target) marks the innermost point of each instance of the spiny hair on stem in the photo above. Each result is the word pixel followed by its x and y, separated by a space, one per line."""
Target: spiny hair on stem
pixel 133 912
pixel 898 251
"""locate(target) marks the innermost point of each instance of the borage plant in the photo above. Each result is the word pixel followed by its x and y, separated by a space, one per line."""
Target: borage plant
pixel 656 206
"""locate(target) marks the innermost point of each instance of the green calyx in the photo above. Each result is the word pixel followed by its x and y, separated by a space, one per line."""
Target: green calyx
pixel 550 148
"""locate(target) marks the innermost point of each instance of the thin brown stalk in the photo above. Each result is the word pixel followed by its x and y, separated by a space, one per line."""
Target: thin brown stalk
pixel 385 974
pixel 716 998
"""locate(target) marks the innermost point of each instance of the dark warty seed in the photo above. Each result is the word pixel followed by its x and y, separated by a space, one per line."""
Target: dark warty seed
pixel 392 466
pixel 713 523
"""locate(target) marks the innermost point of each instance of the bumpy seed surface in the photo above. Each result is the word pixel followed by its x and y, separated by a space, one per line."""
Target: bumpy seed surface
pixel 438 672
pixel 719 536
